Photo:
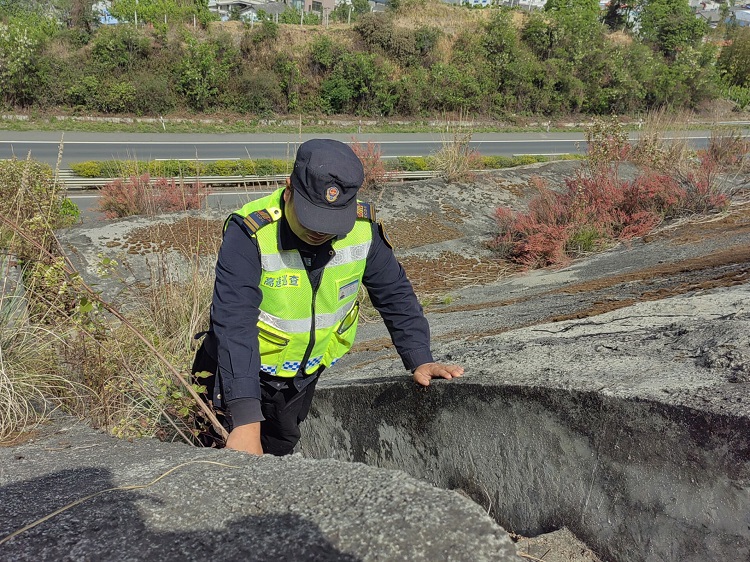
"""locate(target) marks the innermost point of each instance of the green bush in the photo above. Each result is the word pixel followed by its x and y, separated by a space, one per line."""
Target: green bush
pixel 253 91
pixel 264 167
pixel 69 212
pixel 122 168
pixel 292 16
pixel 583 240
pixel 497 162
pixel 412 93
pixel 454 89
pixel 268 166
pixel 412 163
pixel 359 84
pixel 246 167
pixel 116 97
pixel 153 94
pixel 267 31
pixel 527 159
pixel 83 93
pixel 90 169
pixel 324 54
pixel 119 47
pixel 225 168
pixel 165 168
pixel 500 162
pixel 176 168
pixel 202 73
pixel 738 94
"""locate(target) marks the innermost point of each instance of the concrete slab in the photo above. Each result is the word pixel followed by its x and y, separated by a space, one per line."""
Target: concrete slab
pixel 159 501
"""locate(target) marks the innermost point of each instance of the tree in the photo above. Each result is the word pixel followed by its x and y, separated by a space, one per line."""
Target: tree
pixel 734 60
pixel 580 9
pixel 539 34
pixel 357 84
pixel 670 26
pixel 81 15
pixel 344 12
pixel 17 50
pixel 578 28
pixel 617 16
pixel 201 73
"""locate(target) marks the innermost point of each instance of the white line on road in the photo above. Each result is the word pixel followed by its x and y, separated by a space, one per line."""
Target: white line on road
pixel 194 143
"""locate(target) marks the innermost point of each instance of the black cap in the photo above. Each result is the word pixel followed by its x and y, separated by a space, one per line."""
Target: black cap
pixel 326 177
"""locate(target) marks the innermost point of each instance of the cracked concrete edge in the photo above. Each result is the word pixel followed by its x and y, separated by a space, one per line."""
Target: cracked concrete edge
pixel 632 428
pixel 224 504
pixel 687 350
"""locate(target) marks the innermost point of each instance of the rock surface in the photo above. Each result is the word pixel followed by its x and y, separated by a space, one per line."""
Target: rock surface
pixel 609 397
pixel 158 501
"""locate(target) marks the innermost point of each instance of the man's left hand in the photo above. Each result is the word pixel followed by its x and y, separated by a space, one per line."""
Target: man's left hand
pixel 425 373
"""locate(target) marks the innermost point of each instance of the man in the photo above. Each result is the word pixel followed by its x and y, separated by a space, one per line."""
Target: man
pixel 285 300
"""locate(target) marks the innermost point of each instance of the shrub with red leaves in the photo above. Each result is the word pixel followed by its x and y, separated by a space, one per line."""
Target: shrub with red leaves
pixel 598 208
pixel 125 198
pixel 371 156
pixel 139 195
pixel 172 195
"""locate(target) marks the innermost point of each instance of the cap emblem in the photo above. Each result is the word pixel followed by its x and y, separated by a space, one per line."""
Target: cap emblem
pixel 332 193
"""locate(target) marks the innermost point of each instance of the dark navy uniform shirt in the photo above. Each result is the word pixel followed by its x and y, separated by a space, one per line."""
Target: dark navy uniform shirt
pixel 233 336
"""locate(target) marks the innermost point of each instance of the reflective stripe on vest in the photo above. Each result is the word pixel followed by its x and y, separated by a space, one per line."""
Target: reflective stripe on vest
pixel 285 322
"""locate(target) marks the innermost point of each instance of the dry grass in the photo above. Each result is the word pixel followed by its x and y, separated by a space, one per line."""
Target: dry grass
pixel 620 38
pixel 31 386
pixel 449 18
pixel 662 142
pixel 123 361
pixel 148 394
pixel 456 159
pixel 138 394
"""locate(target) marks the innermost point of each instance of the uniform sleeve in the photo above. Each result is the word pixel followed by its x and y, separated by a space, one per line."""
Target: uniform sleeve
pixel 393 296
pixel 234 319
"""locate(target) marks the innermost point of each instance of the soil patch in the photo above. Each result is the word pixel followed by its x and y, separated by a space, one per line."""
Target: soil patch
pixel 558 546
pixel 421 231
pixel 613 293
pixel 189 236
pixel 737 220
pixel 450 271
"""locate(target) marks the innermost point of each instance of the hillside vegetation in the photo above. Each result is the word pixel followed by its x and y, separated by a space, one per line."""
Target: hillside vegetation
pixel 419 58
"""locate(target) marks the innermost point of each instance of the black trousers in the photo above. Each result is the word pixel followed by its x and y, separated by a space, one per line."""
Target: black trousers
pixel 284 408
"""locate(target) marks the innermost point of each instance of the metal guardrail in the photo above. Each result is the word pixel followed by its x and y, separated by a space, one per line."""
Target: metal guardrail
pixel 73 182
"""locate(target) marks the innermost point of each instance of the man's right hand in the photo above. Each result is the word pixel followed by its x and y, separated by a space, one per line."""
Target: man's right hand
pixel 246 438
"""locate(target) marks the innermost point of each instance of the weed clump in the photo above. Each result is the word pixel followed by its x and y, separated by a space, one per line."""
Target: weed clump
pixel 64 347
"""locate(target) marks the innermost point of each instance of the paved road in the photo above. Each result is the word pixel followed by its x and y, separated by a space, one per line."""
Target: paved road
pixel 78 147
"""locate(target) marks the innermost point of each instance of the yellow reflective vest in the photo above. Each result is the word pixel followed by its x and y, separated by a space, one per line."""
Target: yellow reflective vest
pixel 300 328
